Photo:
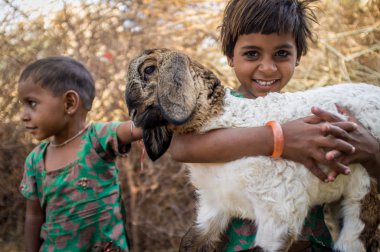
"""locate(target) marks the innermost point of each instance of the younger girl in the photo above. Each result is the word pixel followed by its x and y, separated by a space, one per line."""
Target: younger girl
pixel 70 181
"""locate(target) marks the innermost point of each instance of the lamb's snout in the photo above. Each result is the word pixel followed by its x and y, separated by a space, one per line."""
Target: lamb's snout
pixel 150 118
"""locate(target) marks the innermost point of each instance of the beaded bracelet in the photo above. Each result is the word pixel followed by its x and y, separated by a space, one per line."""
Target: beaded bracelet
pixel 278 138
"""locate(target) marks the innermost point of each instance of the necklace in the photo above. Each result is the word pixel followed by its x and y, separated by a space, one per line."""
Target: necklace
pixel 70 139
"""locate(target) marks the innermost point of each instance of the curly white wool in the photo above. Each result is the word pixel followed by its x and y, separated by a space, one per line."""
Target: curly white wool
pixel 277 193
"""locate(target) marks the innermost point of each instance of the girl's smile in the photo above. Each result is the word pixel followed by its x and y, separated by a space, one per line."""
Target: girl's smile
pixel 265 86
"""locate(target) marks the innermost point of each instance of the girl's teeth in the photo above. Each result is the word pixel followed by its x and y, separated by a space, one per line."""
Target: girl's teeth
pixel 265 83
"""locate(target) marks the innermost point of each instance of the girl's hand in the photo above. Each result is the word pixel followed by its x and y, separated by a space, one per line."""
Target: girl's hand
pixel 367 148
pixel 307 140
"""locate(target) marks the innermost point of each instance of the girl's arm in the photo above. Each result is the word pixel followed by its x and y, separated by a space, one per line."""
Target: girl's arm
pixel 305 141
pixel 34 219
pixel 127 132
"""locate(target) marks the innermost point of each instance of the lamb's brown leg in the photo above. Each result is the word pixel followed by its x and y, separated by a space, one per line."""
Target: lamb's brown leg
pixel 188 241
pixel 370 215
pixel 374 246
pixel 191 242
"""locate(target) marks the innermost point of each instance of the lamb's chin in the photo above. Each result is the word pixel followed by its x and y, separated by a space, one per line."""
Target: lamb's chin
pixel 149 119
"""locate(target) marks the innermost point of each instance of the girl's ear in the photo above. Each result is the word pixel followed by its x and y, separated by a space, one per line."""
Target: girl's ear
pixel 298 61
pixel 72 101
pixel 230 61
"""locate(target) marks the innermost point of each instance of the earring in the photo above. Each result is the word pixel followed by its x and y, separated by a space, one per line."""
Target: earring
pixel 297 62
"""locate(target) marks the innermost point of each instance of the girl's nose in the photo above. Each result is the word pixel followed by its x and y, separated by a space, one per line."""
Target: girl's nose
pixel 267 66
pixel 25 116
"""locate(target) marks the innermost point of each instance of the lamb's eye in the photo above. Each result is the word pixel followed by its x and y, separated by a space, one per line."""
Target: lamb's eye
pixel 149 69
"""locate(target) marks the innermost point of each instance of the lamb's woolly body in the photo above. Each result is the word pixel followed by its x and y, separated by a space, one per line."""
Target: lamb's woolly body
pixel 278 193
pixel 168 92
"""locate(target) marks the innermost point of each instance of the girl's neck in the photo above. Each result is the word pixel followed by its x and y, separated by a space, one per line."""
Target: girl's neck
pixel 72 131
pixel 246 94
pixel 70 139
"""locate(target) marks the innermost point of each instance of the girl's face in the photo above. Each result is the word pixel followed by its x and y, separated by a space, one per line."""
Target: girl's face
pixel 42 113
pixel 263 63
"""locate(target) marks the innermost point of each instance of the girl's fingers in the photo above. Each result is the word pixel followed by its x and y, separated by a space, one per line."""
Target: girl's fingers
pixel 313 168
pixel 339 130
pixel 346 112
pixel 334 118
pixel 334 166
pixel 326 116
pixel 348 126
pixel 312 119
pixel 333 154
pixel 337 168
pixel 332 143
pixel 332 176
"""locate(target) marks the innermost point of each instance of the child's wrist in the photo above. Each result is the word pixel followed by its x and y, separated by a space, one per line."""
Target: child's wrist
pixel 137 134
pixel 278 138
pixel 131 135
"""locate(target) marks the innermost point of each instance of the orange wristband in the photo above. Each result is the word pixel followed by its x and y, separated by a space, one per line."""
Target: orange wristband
pixel 278 138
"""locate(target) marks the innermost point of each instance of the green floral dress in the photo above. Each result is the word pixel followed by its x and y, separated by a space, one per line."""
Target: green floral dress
pixel 241 234
pixel 81 201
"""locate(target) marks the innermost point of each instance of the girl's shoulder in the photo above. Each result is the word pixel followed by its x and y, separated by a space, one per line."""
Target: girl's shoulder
pixel 233 92
pixel 102 136
pixel 38 152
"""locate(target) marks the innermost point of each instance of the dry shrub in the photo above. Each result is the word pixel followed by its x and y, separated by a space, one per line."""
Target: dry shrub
pixel 347 47
pixel 13 151
pixel 159 200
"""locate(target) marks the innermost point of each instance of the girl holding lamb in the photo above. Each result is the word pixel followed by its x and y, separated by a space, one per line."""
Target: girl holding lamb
pixel 264 42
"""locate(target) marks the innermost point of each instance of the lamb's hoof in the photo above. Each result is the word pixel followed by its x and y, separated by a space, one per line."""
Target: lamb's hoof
pixel 373 246
pixel 190 243
pixel 257 249
pixel 197 249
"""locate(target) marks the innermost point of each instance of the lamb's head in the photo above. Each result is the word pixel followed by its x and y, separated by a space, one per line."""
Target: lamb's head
pixel 167 91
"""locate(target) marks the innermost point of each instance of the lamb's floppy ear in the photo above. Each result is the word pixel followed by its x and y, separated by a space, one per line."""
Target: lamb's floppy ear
pixel 176 89
pixel 157 141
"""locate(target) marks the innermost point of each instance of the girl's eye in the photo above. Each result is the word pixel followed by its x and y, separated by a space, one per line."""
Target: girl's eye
pixel 32 104
pixel 251 54
pixel 282 54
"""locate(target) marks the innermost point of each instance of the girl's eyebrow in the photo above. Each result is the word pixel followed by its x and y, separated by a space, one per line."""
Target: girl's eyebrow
pixel 285 46
pixel 250 47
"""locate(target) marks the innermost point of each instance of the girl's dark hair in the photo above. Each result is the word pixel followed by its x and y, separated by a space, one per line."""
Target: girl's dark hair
pixel 61 74
pixel 243 17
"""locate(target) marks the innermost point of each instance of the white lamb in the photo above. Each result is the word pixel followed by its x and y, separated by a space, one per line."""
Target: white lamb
pixel 168 92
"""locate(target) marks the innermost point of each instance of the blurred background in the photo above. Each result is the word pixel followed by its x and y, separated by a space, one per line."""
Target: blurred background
pixel 105 35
